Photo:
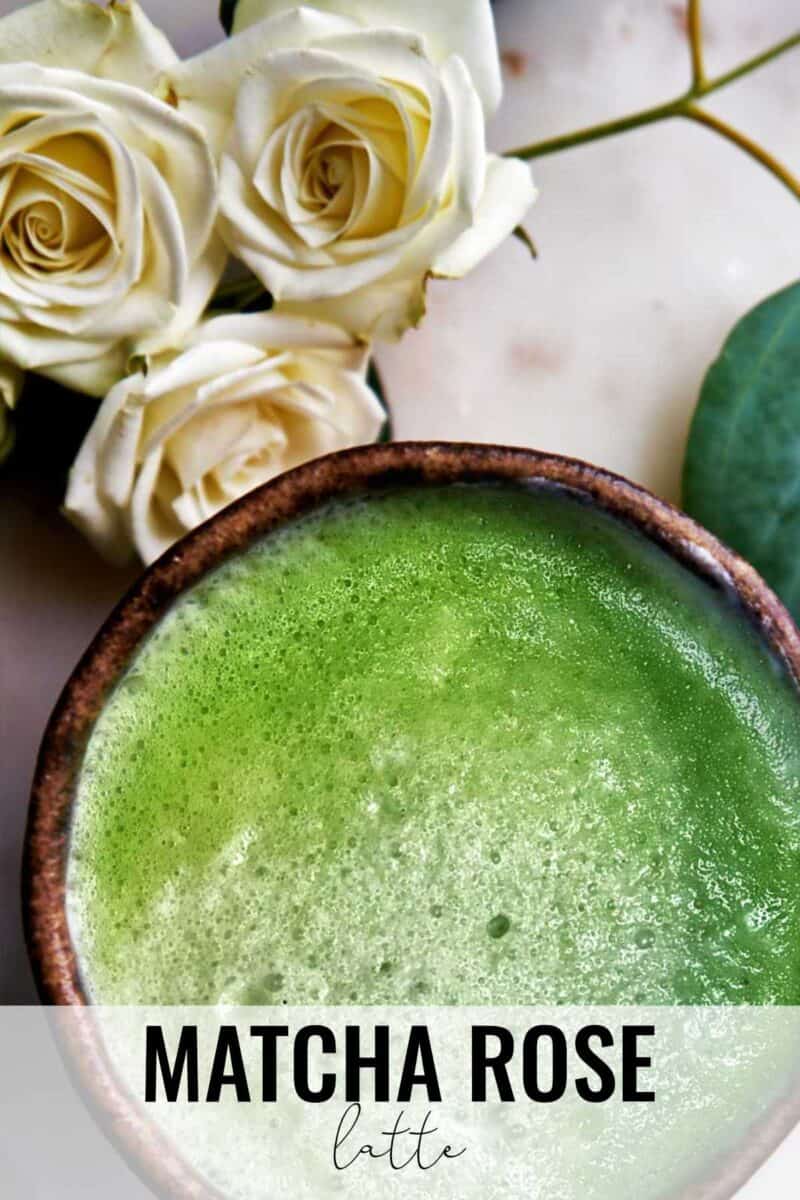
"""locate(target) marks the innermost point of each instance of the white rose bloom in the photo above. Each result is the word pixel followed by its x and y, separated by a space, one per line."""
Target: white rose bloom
pixel 353 150
pixel 249 397
pixel 107 195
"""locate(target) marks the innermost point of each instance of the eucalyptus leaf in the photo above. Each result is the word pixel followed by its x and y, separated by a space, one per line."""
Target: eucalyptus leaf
pixel 227 11
pixel 742 470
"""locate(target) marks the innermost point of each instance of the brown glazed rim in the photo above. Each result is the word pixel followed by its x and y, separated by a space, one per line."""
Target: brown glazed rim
pixel 353 472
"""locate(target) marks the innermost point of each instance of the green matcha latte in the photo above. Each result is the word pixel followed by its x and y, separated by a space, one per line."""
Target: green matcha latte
pixel 475 745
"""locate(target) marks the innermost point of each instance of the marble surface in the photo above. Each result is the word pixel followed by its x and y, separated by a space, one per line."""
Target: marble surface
pixel 651 246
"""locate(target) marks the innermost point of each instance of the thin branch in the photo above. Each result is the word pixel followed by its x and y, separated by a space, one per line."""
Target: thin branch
pixel 594 133
pixel 762 156
pixel 695 23
pixel 684 106
pixel 750 64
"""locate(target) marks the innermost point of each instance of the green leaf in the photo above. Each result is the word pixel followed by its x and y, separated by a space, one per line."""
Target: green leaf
pixel 227 11
pixel 376 383
pixel 742 470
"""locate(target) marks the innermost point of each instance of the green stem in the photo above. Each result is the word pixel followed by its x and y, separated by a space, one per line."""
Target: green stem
pixel 749 65
pixel 695 23
pixel 745 143
pixel 684 106
pixel 595 133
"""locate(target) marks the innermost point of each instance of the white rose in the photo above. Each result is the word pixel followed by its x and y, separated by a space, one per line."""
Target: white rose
pixel 107 195
pixel 10 386
pixel 354 164
pixel 250 397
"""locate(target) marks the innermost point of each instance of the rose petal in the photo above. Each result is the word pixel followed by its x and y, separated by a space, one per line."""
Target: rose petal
pixel 137 52
pixel 462 27
pixel 54 32
pixel 166 232
pixel 138 121
pixel 129 214
pixel 150 529
pixel 199 363
pixel 107 206
pixel 255 395
pixel 206 86
pixel 200 286
pixel 508 196
pixel 34 348
pixel 382 311
pixel 118 42
pixel 274 330
pixel 11 380
pixel 219 435
pixel 94 375
pixel 287 267
pixel 117 456
pixel 386 307
pixel 87 507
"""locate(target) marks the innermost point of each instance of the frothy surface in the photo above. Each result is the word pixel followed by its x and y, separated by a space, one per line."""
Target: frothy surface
pixel 465 745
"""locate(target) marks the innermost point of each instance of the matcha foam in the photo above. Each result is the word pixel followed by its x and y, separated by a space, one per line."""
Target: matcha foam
pixel 462 745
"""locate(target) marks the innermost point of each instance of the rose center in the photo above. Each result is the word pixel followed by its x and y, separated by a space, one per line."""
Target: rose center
pixel 332 170
pixel 52 234
pixel 42 226
pixel 57 213
pixel 329 170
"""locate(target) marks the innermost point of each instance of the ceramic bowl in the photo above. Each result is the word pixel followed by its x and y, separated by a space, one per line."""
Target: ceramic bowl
pixel 52 952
